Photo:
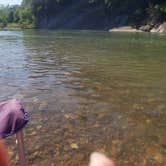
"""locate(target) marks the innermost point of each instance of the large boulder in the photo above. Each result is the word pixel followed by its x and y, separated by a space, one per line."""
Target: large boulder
pixel 145 28
pixel 161 28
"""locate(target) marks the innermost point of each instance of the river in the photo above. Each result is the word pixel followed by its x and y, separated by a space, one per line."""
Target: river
pixel 87 91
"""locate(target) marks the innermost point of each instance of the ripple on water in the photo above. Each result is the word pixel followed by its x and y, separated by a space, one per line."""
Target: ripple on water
pixel 87 91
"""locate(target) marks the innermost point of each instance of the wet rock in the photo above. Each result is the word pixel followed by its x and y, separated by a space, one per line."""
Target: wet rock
pixel 33 133
pixel 43 105
pixel 95 95
pixel 145 28
pixel 138 107
pixel 96 125
pixel 98 87
pixel 35 153
pixel 153 30
pixel 148 121
pixel 67 116
pixel 74 146
pixel 161 28
pixel 35 100
pixel 38 127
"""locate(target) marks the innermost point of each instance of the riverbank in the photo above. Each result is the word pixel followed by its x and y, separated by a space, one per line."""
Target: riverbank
pixel 85 15
pixel 161 28
pixel 125 29
pixel 17 26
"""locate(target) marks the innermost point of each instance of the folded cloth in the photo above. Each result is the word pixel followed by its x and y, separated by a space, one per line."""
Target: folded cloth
pixel 13 117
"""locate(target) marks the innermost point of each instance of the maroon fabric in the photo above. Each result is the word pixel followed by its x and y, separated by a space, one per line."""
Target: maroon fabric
pixel 13 117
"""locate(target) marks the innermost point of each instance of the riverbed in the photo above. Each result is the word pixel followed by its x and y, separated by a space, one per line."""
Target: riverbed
pixel 87 91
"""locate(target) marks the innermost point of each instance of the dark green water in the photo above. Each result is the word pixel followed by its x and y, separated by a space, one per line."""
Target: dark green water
pixel 87 91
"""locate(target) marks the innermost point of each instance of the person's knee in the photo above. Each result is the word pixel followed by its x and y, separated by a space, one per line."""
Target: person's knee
pixel 98 159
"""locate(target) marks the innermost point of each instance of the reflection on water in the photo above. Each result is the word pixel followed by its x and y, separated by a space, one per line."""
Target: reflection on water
pixel 87 91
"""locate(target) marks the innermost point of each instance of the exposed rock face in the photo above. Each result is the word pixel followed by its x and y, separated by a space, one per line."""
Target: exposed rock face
pixel 145 28
pixel 161 28
pixel 153 30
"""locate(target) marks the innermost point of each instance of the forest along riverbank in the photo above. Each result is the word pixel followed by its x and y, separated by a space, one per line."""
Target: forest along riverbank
pixel 147 28
pixel 86 14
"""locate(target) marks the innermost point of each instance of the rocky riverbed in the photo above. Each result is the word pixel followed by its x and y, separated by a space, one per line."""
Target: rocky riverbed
pixel 87 91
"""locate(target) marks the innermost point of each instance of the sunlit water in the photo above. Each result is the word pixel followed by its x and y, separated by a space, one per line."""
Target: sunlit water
pixel 87 91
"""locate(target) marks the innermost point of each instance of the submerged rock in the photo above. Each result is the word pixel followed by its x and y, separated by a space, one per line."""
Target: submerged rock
pixel 74 146
pixel 38 127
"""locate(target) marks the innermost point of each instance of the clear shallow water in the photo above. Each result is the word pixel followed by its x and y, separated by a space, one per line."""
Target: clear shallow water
pixel 87 91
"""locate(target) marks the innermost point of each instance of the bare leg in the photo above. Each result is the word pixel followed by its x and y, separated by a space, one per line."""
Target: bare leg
pixel 3 155
pixel 20 142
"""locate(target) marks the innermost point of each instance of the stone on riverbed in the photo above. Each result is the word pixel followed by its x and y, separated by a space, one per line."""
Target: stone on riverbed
pixel 74 146
pixel 38 127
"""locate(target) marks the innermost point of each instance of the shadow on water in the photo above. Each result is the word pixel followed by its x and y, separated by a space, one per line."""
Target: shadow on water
pixel 88 91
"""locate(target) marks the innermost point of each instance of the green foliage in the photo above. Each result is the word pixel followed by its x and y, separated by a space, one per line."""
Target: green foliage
pixel 20 15
pixel 140 12
pixel 3 24
pixel 31 12
pixel 26 15
pixel 156 13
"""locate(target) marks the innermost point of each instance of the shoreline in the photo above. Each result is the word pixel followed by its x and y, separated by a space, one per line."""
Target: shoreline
pixel 124 29
pixel 160 29
pixel 14 29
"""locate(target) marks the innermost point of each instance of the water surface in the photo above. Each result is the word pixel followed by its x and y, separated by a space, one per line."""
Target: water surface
pixel 87 91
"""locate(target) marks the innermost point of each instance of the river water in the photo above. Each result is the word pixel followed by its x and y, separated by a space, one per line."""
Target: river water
pixel 87 91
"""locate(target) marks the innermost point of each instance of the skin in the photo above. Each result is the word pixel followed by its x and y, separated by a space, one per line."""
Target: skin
pixel 98 159
pixel 3 155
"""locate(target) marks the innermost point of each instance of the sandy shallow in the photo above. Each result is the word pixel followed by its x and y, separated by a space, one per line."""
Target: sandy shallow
pixel 125 29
